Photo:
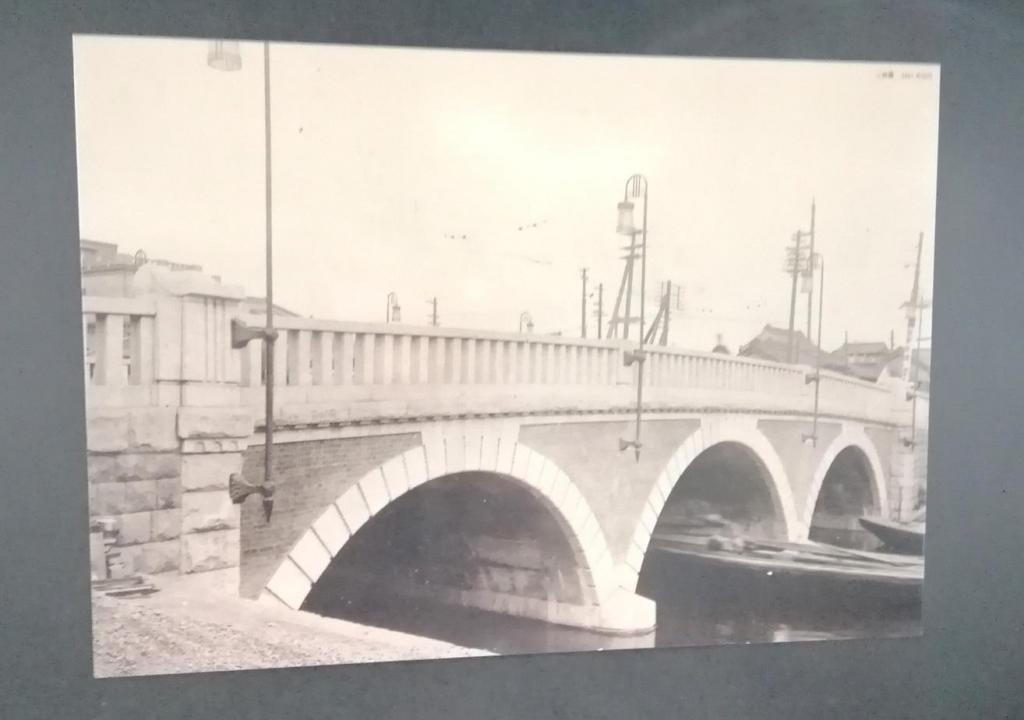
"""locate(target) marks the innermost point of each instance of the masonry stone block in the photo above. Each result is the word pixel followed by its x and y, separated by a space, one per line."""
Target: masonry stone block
pixel 209 471
pixel 139 495
pixel 134 528
pixel 435 459
pixel 152 429
pixel 154 557
pixel 107 430
pixel 128 466
pixel 311 555
pixel 208 510
pixel 290 585
pixel 165 524
pixel 374 491
pixel 455 453
pixel 548 475
pixel 203 551
pixel 488 452
pixel 520 462
pixel 472 453
pixel 109 499
pixel 331 529
pixel 506 452
pixel 353 509
pixel 168 493
pixel 416 466
pixel 214 422
pixel 395 476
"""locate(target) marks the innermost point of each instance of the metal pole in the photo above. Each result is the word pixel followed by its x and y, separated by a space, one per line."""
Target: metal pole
pixel 629 287
pixel 268 450
pixel 792 299
pixel 810 273
pixel 668 311
pixel 583 306
pixel 640 343
pixel 600 308
pixel 817 362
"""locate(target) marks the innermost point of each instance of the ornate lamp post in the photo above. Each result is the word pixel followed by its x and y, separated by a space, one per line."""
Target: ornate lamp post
pixel 226 55
pixel 636 187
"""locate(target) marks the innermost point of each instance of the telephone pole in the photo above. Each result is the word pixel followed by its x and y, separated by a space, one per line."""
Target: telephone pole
pixel 583 305
pixel 793 267
pixel 810 275
pixel 600 308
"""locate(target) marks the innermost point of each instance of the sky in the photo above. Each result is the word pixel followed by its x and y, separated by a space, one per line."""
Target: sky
pixel 489 179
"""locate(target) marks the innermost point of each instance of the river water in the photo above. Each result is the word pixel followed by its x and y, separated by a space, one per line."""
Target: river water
pixel 699 603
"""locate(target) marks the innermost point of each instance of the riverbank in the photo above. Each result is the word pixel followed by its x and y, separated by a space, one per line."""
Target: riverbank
pixel 186 628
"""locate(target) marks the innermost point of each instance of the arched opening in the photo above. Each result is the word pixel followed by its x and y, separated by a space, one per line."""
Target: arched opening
pixel 726 490
pixel 724 495
pixel 846 494
pixel 453 559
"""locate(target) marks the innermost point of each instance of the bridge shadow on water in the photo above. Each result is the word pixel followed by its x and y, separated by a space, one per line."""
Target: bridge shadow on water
pixel 699 603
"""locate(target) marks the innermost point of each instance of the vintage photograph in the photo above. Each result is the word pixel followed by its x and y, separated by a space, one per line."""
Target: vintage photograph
pixel 403 354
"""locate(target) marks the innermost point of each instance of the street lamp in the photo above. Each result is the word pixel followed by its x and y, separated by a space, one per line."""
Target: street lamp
pixel 394 311
pixel 525 317
pixel 819 261
pixel 636 187
pixel 226 55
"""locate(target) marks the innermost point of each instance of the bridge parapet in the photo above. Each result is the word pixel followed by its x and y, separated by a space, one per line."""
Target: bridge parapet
pixel 337 372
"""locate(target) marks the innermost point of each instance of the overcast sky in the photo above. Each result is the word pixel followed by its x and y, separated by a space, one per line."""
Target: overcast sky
pixel 379 154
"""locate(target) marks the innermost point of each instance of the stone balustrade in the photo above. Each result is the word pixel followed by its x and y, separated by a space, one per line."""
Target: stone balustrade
pixel 330 372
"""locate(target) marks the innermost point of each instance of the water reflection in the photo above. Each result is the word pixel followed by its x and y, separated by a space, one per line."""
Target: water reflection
pixel 698 604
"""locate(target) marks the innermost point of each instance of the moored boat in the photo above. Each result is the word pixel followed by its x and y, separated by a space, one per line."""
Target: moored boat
pixel 900 537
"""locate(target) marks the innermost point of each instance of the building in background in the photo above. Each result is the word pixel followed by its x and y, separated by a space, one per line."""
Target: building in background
pixel 772 344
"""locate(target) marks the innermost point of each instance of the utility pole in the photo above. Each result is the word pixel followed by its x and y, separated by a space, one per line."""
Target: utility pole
pixel 600 308
pixel 583 305
pixel 668 311
pixel 810 275
pixel 793 266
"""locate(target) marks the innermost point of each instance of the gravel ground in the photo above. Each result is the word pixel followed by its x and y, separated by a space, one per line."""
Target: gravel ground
pixel 183 629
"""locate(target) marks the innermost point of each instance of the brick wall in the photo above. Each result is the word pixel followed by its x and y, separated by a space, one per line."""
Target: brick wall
pixel 612 481
pixel 307 477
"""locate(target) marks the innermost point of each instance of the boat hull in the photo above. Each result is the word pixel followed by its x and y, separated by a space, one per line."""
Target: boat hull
pixel 899 538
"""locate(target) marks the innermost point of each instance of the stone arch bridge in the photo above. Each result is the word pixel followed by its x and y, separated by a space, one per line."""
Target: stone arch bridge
pixel 477 468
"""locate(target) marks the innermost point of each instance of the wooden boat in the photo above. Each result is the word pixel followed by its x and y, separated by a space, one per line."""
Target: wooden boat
pixel 900 537
pixel 807 558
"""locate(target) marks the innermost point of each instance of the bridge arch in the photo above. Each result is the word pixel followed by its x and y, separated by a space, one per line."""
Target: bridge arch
pixel 850 436
pixel 712 432
pixel 603 606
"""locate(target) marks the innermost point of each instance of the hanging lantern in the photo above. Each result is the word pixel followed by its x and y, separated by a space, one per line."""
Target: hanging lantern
pixel 625 226
pixel 224 55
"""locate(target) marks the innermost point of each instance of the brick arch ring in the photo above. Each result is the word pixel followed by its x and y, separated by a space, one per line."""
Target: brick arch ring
pixel 437 457
pixel 711 432
pixel 849 436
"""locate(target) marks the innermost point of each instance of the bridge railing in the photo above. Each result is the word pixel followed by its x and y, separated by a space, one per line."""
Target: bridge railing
pixel 331 371
pixel 119 346
pixel 328 371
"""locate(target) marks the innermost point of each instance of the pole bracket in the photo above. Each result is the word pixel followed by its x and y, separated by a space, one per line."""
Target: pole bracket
pixel 239 490
pixel 633 356
pixel 242 334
